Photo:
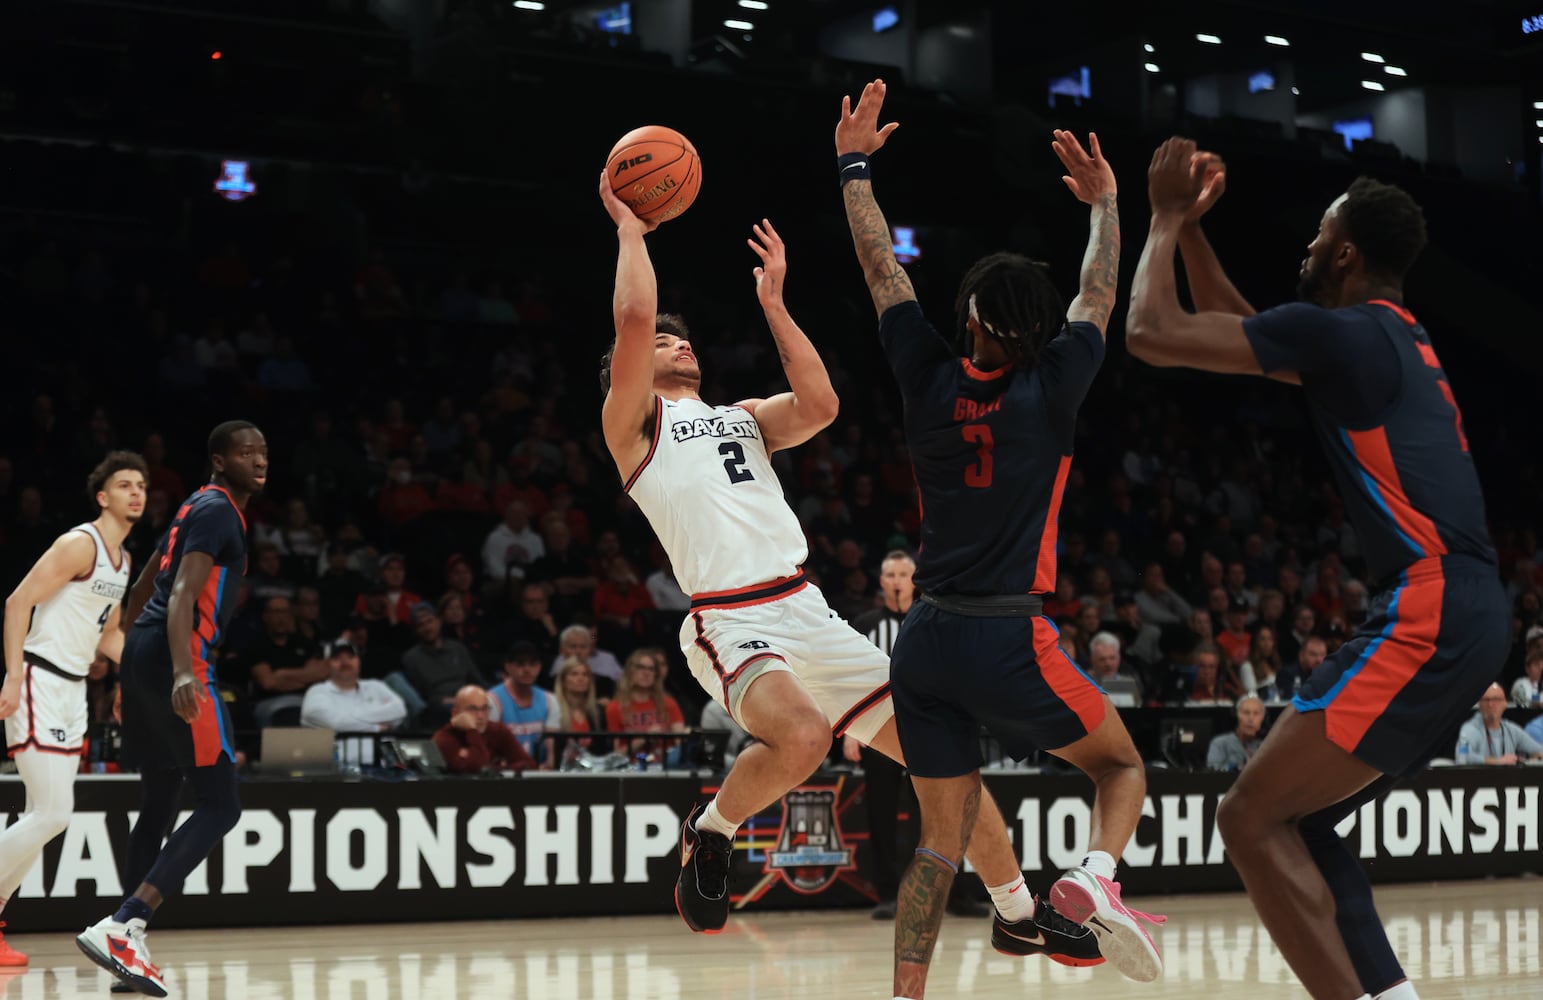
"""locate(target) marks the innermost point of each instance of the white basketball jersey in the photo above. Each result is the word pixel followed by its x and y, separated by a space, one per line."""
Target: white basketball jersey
pixel 67 628
pixel 708 489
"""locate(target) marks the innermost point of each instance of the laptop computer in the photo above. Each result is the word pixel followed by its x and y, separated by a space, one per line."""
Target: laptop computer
pixel 415 754
pixel 298 751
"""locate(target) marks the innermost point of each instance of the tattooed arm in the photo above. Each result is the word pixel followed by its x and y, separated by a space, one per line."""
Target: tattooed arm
pixel 1090 178
pixel 858 132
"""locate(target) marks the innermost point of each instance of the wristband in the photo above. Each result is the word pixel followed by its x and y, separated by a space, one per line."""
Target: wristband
pixel 853 167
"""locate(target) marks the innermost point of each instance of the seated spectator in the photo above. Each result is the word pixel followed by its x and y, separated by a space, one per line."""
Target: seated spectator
pixel 564 568
pixel 399 601
pixel 1258 672
pixel 579 640
pixel 1118 681
pixel 282 664
pixel 618 598
pixel 340 584
pixel 309 624
pixel 471 746
pixel 1304 622
pixel 665 589
pixel 457 624
pixel 1209 686
pixel 1140 640
pixel 532 620
pixel 460 581
pixel 346 704
pixel 1535 729
pixel 1065 603
pixel 435 669
pixel 1232 751
pixel 1293 675
pixel 1160 604
pixel 578 709
pixel 525 710
pixel 1200 624
pixel 511 546
pixel 1527 692
pixel 641 706
pixel 1490 738
pixel 266 577
pixel 1234 639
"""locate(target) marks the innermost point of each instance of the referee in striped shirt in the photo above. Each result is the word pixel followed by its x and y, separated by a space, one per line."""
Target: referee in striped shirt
pixel 883 777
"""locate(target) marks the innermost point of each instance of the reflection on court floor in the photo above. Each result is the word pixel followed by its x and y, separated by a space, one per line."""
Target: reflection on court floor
pixel 1469 940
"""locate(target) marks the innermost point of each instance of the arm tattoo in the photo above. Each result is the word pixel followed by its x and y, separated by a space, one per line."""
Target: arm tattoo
pixel 887 281
pixel 1100 265
pixel 923 896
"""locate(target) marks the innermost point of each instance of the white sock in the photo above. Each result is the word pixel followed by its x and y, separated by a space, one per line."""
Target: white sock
pixel 1100 863
pixel 1364 996
pixel 1013 901
pixel 1403 991
pixel 712 819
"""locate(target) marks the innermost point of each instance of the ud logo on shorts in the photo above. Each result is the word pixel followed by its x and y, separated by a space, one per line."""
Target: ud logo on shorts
pixel 755 644
pixel 58 735
pixel 809 852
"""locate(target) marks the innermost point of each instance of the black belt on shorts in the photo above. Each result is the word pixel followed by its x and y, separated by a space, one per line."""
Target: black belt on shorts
pixel 989 606
pixel 37 661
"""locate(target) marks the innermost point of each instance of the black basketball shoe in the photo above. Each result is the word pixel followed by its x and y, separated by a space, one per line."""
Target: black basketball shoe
pixel 1046 933
pixel 702 891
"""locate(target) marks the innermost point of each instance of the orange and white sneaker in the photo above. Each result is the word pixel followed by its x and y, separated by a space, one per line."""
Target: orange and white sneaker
pixel 10 958
pixel 121 950
pixel 1094 901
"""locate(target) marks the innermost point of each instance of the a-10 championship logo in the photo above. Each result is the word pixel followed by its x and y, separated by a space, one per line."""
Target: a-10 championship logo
pixel 809 852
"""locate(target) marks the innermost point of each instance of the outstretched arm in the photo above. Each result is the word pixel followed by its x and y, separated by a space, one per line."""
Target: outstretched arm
pixel 1157 329
pixel 1209 285
pixel 788 419
pixel 1092 181
pixel 858 138
pixel 634 303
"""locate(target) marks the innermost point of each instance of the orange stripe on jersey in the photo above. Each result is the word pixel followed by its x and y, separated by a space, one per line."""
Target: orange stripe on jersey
pixel 1395 660
pixel 1403 314
pixel 1427 354
pixel 1371 449
pixel 653 445
pixel 980 376
pixel 1075 688
pixel 1044 573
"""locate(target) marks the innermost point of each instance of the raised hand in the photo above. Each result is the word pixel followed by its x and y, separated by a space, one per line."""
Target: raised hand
pixel 773 272
pixel 1213 173
pixel 620 214
pixel 1088 175
pixel 1172 187
pixel 858 131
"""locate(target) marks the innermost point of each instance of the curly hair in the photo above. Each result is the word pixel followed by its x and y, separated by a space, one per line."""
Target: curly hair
pixel 1386 225
pixel 663 323
pixel 1015 303
pixel 115 462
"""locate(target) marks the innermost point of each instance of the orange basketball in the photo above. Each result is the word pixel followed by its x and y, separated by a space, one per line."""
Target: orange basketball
pixel 656 171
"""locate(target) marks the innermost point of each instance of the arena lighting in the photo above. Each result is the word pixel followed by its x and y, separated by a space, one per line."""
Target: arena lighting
pixel 1276 40
pixel 1538 105
pixel 754 4
pixel 1149 47
pixel 1372 57
pixel 739 25
pixel 1208 39
pixel 1152 67
pixel 1372 85
pixel 1395 71
pixel 216 55
pixel 235 182
pixel 1539 123
pixel 530 4
pixel 1295 92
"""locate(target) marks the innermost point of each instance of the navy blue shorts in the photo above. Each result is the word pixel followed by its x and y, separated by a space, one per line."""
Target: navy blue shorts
pixel 951 674
pixel 1428 649
pixel 154 736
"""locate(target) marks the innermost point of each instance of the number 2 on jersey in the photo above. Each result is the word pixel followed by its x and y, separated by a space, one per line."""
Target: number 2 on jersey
pixel 979 474
pixel 734 464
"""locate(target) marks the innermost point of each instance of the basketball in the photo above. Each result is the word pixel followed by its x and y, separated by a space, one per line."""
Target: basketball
pixel 656 171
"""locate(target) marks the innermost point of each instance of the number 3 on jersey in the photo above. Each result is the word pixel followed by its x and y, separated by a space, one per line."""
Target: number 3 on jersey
pixel 979 474
pixel 734 463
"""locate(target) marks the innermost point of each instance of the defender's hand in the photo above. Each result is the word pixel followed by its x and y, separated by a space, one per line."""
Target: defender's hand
pixel 187 698
pixel 858 131
pixel 1088 175
pixel 1213 176
pixel 773 272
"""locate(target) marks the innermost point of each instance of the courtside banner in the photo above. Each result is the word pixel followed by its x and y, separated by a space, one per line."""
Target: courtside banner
pixel 334 851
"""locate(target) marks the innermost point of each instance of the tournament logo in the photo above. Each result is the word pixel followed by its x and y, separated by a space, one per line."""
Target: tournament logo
pixel 809 852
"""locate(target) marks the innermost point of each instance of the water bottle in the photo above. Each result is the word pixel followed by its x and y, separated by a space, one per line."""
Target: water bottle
pixel 1464 754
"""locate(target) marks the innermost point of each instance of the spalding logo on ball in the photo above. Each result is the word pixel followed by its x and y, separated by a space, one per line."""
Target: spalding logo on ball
pixel 656 171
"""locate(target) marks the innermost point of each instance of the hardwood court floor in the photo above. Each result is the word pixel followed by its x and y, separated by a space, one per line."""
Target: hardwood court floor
pixel 1469 940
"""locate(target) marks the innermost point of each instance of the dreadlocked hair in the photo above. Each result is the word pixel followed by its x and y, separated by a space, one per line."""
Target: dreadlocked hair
pixel 1015 303
pixel 663 323
pixel 1386 225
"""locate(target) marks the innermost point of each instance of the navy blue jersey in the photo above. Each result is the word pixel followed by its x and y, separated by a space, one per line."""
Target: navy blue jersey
pixel 1391 427
pixel 991 452
pixel 208 521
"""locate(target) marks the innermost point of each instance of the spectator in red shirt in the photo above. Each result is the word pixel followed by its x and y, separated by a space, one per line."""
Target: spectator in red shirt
pixel 471 746
pixel 641 706
pixel 399 601
pixel 403 499
pixel 1235 639
pixel 620 596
